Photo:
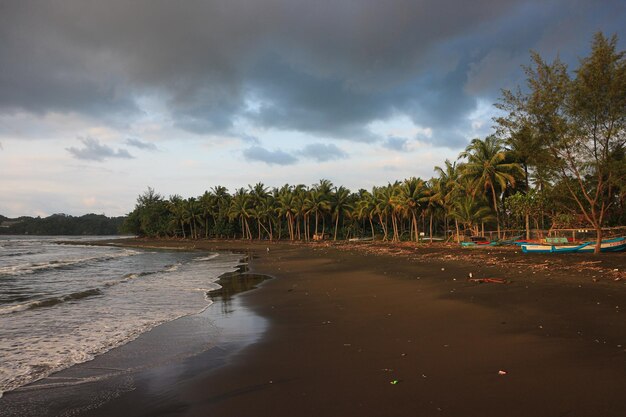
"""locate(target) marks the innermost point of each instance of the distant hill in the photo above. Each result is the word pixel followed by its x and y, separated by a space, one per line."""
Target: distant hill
pixel 61 224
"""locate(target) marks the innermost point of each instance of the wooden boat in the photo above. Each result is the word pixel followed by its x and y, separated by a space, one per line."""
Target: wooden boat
pixel 617 244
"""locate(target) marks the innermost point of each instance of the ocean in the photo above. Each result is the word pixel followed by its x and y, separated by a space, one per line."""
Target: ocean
pixel 63 304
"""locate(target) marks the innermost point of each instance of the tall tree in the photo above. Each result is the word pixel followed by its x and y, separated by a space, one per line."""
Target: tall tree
pixel 340 205
pixel 581 123
pixel 487 167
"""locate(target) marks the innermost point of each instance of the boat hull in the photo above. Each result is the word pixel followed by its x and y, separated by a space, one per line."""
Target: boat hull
pixel 610 245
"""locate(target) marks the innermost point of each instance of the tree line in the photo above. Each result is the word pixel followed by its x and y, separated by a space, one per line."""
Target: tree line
pixel 557 159
pixel 62 224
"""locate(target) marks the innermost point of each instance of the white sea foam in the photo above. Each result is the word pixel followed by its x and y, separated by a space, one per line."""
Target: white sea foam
pixel 32 267
pixel 87 312
pixel 206 258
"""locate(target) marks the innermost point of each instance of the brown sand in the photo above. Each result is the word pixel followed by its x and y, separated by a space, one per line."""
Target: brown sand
pixel 346 324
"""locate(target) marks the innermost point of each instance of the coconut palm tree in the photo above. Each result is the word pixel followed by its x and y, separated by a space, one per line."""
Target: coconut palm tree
pixel 487 168
pixel 207 205
pixel 365 208
pixel 240 209
pixel 302 210
pixel 193 215
pixel 411 197
pixel 287 207
pixel 340 203
pixel 447 187
pixel 386 208
pixel 318 202
pixel 433 204
pixel 176 206
pixel 471 212
pixel 222 201
pixel 257 193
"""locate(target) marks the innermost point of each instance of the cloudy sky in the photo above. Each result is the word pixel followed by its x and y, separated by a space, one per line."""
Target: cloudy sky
pixel 101 99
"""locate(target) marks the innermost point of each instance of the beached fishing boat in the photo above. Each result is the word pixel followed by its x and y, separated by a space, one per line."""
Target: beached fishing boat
pixel 617 244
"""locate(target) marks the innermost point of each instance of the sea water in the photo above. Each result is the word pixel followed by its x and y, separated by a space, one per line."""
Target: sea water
pixel 62 304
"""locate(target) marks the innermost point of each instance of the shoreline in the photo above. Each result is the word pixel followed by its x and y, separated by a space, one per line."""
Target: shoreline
pixel 164 349
pixel 344 322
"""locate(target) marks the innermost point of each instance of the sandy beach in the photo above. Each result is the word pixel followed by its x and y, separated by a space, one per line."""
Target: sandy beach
pixel 375 330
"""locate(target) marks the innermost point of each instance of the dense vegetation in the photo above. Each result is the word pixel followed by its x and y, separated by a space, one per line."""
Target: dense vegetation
pixel 557 159
pixel 61 224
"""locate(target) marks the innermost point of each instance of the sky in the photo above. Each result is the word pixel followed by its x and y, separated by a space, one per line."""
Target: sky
pixel 101 99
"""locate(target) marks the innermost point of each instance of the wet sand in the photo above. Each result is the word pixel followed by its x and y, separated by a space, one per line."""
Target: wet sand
pixel 353 330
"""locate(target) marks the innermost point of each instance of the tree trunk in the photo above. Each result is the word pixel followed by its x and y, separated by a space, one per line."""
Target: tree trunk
pixel 598 240
pixel 249 233
pixel 372 226
pixel 336 226
pixel 298 229
pixel 316 221
pixel 495 207
pixel 458 237
pixel 431 228
pixel 384 226
pixel 394 224
pixel 527 226
pixel 271 231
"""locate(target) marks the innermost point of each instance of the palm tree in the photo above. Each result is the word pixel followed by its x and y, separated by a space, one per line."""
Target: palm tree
pixel 433 204
pixel 487 168
pixel 176 206
pixel 221 208
pixel 470 212
pixel 386 208
pixel 193 215
pixel 207 204
pixel 366 208
pixel 240 209
pixel 287 207
pixel 318 203
pixel 411 196
pixel 258 193
pixel 448 186
pixel 302 210
pixel 340 205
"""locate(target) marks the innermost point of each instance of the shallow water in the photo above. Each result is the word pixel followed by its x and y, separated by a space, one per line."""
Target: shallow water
pixel 65 304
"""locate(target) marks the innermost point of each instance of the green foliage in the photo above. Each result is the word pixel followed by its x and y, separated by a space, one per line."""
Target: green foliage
pixel 62 224
pixel 574 128
pixel 151 216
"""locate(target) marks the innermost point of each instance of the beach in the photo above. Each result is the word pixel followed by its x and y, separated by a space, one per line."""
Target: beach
pixel 374 330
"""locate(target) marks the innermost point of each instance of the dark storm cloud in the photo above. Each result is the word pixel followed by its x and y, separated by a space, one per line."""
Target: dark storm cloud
pixel 95 151
pixel 321 152
pixel 276 157
pixel 325 67
pixel 146 146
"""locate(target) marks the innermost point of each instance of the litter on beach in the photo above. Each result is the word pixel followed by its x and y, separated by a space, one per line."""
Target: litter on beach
pixel 488 280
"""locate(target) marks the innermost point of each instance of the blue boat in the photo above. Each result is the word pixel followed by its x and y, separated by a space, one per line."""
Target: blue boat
pixel 617 244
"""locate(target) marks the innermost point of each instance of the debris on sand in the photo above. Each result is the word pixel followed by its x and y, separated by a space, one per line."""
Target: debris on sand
pixel 488 280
